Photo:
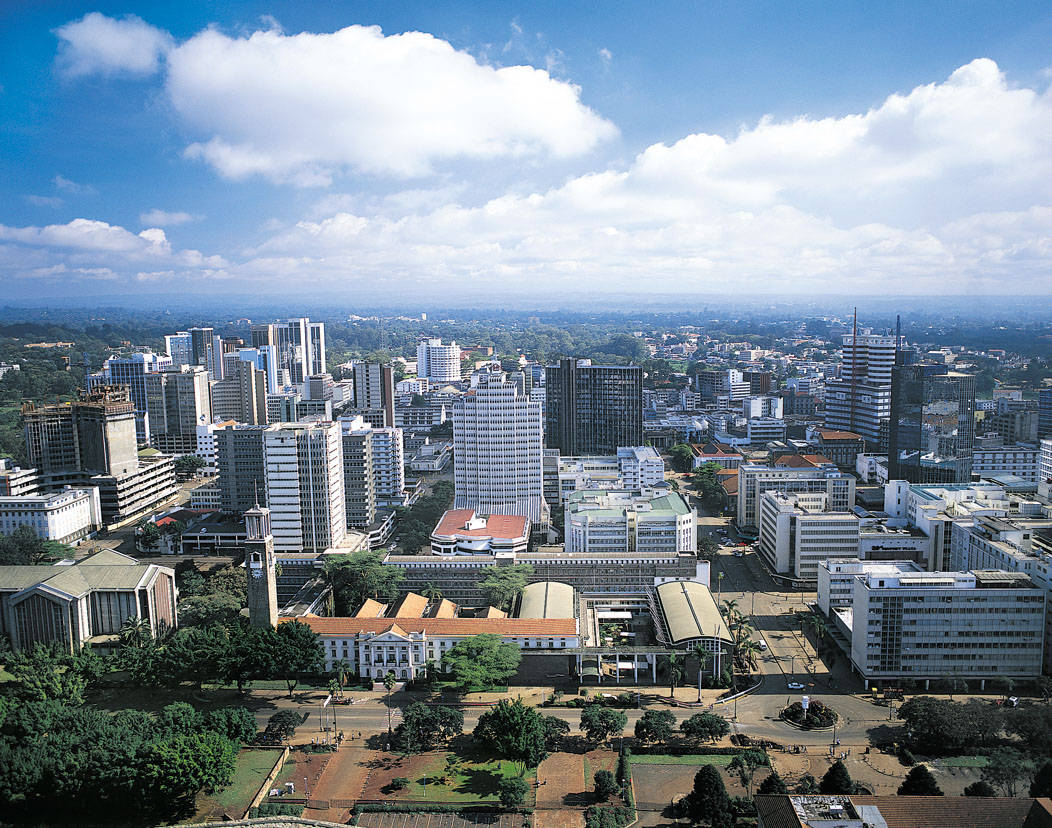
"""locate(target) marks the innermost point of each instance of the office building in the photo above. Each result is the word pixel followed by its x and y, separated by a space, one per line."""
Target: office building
pixel 374 390
pixel 762 407
pixel 304 485
pixel 179 347
pixel 206 444
pixel 437 363
pixel 87 603
pixel 932 428
pixel 797 533
pixel 860 400
pixel 1044 413
pixel 823 478
pixel 759 381
pixel 1021 460
pixel 727 386
pixel 497 446
pixel 67 516
pixel 292 407
pixel 928 626
pixel 842 447
pixel 592 409
pixel 651 521
pixel 1013 423
pixel 240 466
pixel 319 387
pixel 297 346
pixel 388 467
pixel 241 395
pixel 206 350
pixel 358 475
pixel 178 401
pixel 131 370
pixel 1044 469
pixel 641 467
pixel 16 481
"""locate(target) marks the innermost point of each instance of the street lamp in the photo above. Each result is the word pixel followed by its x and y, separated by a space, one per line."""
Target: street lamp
pixel 719 587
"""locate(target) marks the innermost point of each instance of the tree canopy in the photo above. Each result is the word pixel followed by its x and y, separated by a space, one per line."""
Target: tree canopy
pixel 514 731
pixel 600 723
pixel 503 584
pixel 481 661
pixel 361 575
pixel 919 782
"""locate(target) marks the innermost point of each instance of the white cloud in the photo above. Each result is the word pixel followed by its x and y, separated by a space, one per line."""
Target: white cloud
pixel 97 44
pixel 944 188
pixel 163 218
pixel 64 184
pixel 45 201
pixel 606 56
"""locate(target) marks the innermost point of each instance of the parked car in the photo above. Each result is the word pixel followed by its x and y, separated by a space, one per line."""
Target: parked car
pixel 795 685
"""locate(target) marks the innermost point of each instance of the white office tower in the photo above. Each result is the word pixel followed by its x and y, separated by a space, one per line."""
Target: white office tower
pixel 303 465
pixel 437 362
pixel 298 348
pixel 389 466
pixel 497 450
pixel 860 401
pixel 178 347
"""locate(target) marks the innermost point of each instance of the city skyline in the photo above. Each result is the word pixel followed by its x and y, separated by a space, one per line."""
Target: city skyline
pixel 563 153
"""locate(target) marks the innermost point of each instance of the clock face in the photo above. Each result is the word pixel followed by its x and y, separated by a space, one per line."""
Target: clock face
pixel 257 573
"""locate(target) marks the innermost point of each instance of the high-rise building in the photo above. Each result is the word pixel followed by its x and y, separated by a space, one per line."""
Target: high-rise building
pixel 131 370
pixel 1044 413
pixel 932 426
pixel 298 346
pixel 797 533
pixel 91 442
pixel 305 489
pixel 206 350
pixel 374 389
pixel 497 446
pixel 759 382
pixel 358 478
pixel 860 400
pixel 178 401
pixel 755 480
pixel 241 395
pixel 389 466
pixel 179 347
pixel 730 384
pixel 241 467
pixel 437 362
pixel 593 409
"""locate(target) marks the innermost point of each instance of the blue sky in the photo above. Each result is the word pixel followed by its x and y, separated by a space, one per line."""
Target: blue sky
pixel 804 148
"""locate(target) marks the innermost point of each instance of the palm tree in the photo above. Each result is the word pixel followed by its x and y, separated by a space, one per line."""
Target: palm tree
pixel 136 633
pixel 390 680
pixel 704 657
pixel 341 667
pixel 432 592
pixel 747 653
pixel 675 672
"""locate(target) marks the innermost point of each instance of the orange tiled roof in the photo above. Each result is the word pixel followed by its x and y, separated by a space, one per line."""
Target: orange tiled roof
pixel 445 609
pixel 370 609
pixel 442 626
pixel 955 811
pixel 411 606
pixel 454 521
pixel 833 434
pixel 803 461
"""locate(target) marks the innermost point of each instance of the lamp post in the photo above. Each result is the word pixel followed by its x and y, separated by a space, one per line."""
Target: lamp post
pixel 719 587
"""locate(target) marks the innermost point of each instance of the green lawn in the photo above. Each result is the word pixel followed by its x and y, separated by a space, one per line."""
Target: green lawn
pixel 251 769
pixel 964 762
pixel 690 759
pixel 477 780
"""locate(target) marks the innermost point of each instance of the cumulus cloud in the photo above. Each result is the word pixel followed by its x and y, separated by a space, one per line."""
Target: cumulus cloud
pixel 932 190
pixel 164 218
pixel 97 44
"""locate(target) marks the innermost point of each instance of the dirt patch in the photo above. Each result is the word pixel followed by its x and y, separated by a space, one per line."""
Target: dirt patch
pixel 341 781
pixel 370 820
pixel 561 782
pixel 558 818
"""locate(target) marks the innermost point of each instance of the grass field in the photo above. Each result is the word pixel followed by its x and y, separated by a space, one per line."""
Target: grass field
pixel 476 780
pixel 251 769
pixel 964 762
pixel 721 760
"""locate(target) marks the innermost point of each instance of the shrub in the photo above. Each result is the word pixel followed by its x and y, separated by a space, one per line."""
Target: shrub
pixel 277 809
pixel 816 715
pixel 605 785
pixel 608 816
pixel 906 757
pixel 513 791
pixel 400 783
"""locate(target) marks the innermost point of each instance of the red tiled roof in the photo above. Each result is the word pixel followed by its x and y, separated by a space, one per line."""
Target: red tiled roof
pixel 714 449
pixel 955 811
pixel 411 606
pixel 443 626
pixel 803 461
pixel 497 526
pixel 832 434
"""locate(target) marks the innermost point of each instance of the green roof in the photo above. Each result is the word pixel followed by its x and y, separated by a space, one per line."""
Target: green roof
pixel 104 570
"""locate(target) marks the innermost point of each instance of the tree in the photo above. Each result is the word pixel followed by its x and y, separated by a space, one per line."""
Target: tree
pixel 212 608
pixel 298 650
pixel 745 765
pixel 390 681
pixel 708 800
pixel 504 584
pixel 424 726
pixel 837 780
pixel 481 661
pixel 655 726
pixel 512 791
pixel 236 723
pixel 675 671
pixel 281 727
pixel 23 547
pixel 807 785
pixel 772 785
pixel 1005 770
pixel 251 655
pixel 555 729
pixel 47 672
pixel 187 466
pixel 705 726
pixel 180 718
pixel 362 575
pixel 605 785
pixel 599 723
pixel 515 732
pixel 1042 782
pixel 1034 727
pixel 174 770
pixel 919 782
pixel 979 788
pixel 707 482
pixel 682 457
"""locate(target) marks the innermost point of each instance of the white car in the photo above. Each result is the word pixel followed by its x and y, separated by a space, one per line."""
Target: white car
pixel 795 685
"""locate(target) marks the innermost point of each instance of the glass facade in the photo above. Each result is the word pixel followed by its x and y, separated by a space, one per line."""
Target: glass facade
pixel 932 425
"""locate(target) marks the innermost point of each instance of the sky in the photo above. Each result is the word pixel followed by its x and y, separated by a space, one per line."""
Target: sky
pixel 380 151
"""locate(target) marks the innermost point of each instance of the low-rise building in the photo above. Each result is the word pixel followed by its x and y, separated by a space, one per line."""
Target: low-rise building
pixel 464 532
pixel 723 455
pixel 616 521
pixel 16 481
pixel 842 447
pixel 791 475
pixel 1021 460
pixel 84 604
pixel 67 516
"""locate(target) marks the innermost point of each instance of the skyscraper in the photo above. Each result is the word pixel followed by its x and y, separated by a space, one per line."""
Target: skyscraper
pixel 437 362
pixel 179 347
pixel 593 409
pixel 206 350
pixel 860 401
pixel 305 489
pixel 374 389
pixel 497 448
pixel 1044 413
pixel 298 346
pixel 131 370
pixel 932 426
pixel 178 401
pixel 241 395
pixel 358 480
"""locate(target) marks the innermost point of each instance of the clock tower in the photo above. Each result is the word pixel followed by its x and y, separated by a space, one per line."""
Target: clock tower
pixel 261 570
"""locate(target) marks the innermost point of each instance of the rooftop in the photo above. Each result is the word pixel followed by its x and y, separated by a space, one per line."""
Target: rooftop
pixel 690 612
pixel 547 599
pixel 444 626
pixel 465 523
